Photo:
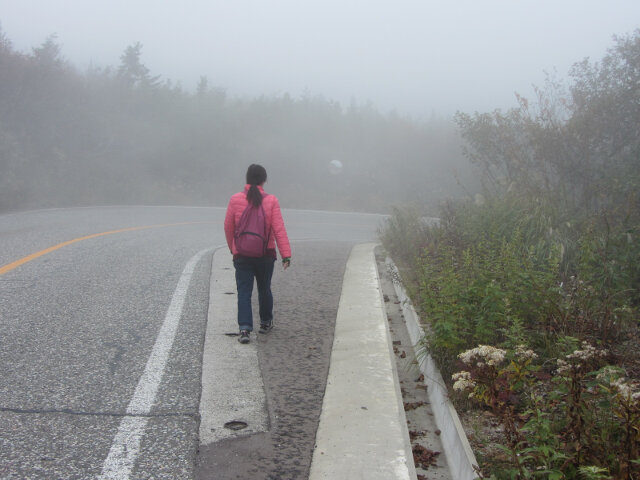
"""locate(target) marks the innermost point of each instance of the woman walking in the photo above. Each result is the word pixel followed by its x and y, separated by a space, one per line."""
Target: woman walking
pixel 253 227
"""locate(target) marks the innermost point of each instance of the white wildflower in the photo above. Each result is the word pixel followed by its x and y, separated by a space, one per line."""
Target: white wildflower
pixel 626 389
pixel 463 381
pixel 587 353
pixel 467 356
pixel 524 355
pixel 608 373
pixel 492 356
pixel 461 374
pixel 622 387
pixel 563 367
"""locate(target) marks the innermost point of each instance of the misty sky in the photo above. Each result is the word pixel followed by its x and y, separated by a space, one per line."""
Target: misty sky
pixel 417 57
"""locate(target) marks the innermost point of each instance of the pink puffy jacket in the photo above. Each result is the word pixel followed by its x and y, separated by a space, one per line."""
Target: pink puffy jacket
pixel 275 222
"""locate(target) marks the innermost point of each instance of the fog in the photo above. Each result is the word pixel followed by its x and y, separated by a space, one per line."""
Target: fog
pixel 417 57
pixel 151 102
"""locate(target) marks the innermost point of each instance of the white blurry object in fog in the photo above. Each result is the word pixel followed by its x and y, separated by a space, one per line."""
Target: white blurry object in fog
pixel 335 167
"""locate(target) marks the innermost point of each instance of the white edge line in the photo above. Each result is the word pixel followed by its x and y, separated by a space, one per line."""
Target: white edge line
pixel 126 443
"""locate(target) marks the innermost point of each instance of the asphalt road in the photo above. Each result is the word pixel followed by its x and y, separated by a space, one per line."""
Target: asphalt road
pixel 103 314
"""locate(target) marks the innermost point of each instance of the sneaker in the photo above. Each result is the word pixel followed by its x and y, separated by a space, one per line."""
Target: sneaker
pixel 244 336
pixel 264 328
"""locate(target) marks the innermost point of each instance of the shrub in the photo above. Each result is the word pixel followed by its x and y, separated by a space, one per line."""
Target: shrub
pixel 584 424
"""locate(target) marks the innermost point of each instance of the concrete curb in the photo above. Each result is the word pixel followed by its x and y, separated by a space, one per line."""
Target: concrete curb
pixel 363 431
pixel 456 445
pixel 224 399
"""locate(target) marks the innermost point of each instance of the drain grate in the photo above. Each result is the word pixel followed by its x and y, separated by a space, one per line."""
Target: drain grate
pixel 236 425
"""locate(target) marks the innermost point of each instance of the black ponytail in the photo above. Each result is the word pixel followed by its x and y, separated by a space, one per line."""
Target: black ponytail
pixel 256 175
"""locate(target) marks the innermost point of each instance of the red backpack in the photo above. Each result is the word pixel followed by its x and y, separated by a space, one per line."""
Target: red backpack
pixel 251 235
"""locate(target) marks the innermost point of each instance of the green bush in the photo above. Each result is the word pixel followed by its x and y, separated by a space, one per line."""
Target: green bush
pixel 490 286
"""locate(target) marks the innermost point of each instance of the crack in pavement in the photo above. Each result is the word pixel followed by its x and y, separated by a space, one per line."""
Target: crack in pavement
pixel 66 411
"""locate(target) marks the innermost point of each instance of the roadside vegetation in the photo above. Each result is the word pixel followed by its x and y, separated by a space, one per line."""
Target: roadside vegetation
pixel 531 288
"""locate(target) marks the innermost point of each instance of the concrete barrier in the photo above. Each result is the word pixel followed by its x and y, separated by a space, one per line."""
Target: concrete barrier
pixel 363 432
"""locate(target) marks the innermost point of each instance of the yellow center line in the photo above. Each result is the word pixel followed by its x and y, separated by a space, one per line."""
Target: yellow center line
pixel 33 256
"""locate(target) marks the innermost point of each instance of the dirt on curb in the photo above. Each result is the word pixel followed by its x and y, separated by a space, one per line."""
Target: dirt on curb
pixel 429 458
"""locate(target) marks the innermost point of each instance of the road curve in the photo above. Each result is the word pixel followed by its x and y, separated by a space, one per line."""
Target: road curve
pixel 80 323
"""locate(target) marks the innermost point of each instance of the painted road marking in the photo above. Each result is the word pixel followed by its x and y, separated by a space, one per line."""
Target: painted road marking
pixel 13 265
pixel 232 385
pixel 126 444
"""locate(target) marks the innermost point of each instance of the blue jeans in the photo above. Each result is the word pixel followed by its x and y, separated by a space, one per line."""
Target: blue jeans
pixel 247 269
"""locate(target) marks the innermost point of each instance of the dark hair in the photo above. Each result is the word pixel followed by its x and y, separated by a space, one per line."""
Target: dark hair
pixel 256 175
